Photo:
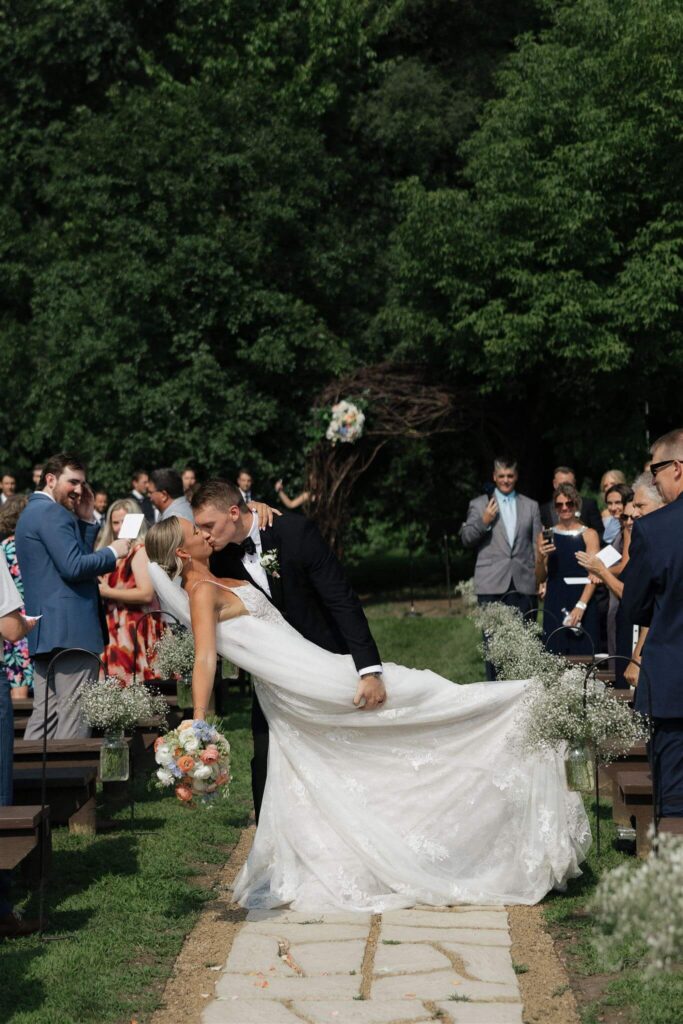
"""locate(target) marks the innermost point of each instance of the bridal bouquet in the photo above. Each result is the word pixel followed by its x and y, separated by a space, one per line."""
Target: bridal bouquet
pixel 195 760
pixel 346 424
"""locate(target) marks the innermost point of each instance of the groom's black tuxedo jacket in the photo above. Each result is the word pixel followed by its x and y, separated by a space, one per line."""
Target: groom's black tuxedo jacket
pixel 312 590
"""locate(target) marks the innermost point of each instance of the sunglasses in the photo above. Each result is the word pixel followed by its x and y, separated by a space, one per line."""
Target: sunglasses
pixel 655 467
pixel 625 516
pixel 564 504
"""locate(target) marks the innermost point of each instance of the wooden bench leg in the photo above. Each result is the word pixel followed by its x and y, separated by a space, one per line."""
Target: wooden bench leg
pixel 643 821
pixel 83 822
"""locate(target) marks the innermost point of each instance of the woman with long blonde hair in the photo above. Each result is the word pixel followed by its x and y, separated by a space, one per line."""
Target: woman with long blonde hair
pixel 128 595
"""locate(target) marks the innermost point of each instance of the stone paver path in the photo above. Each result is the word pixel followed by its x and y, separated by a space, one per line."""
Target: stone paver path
pixel 401 967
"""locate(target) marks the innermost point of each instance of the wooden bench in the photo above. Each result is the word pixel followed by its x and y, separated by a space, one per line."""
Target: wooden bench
pixel 71 792
pixel 22 831
pixel 75 753
pixel 671 826
pixel 635 760
pixel 635 793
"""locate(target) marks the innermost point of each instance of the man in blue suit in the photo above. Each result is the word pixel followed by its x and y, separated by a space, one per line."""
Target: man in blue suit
pixel 653 596
pixel 54 540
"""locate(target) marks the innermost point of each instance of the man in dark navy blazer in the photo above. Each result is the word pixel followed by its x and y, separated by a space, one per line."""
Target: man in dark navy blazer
pixel 54 539
pixel 653 596
pixel 309 587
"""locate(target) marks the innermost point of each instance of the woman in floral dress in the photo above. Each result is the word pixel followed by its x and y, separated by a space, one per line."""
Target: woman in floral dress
pixel 128 596
pixel 18 663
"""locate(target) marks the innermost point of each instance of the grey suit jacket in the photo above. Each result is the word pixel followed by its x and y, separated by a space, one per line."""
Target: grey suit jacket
pixel 179 507
pixel 499 565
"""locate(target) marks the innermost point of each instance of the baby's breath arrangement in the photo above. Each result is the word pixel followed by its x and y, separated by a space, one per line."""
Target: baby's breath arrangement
pixel 638 909
pixel 174 653
pixel 557 708
pixel 112 706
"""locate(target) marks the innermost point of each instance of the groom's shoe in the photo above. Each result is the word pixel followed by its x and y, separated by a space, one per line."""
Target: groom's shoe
pixel 14 927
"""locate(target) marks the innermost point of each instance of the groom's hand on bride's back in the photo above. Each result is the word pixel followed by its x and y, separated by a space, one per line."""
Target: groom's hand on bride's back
pixel 370 693
pixel 265 513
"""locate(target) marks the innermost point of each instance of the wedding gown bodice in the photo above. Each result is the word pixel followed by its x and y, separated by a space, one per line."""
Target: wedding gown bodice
pixel 425 801
pixel 256 603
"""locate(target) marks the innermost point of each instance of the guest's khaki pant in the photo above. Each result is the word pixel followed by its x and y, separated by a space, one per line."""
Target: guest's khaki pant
pixel 64 721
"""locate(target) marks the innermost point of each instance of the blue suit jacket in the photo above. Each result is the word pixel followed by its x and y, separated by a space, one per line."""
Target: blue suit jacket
pixel 59 570
pixel 653 596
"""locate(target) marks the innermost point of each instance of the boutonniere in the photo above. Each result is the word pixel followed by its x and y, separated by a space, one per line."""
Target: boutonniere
pixel 271 563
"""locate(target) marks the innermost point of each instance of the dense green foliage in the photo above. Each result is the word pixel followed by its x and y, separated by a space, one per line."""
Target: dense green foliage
pixel 211 208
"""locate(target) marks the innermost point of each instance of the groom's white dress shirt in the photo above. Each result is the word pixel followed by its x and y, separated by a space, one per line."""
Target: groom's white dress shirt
pixel 252 563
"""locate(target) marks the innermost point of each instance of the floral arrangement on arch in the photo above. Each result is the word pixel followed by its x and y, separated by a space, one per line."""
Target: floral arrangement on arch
pixel 347 423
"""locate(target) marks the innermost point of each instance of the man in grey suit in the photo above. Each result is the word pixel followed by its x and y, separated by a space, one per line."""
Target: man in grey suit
pixel 503 529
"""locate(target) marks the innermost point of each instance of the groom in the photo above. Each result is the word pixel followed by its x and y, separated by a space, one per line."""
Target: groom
pixel 291 563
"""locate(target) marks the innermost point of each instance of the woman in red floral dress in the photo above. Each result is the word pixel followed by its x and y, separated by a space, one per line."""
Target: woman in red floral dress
pixel 128 595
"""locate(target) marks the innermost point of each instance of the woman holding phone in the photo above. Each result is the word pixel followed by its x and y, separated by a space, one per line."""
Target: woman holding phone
pixel 567 604
pixel 128 594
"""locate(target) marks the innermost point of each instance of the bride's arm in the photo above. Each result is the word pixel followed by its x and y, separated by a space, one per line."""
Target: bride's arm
pixel 204 610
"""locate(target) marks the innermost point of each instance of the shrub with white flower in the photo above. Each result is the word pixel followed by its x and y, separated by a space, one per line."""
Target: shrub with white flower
pixel 110 705
pixel 195 760
pixel 347 423
pixel 639 909
pixel 465 591
pixel 557 709
pixel 174 653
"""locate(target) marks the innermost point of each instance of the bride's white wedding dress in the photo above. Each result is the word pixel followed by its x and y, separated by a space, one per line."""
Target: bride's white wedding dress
pixel 425 801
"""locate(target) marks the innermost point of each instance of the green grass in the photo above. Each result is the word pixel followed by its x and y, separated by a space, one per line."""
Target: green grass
pixel 120 905
pixel 447 645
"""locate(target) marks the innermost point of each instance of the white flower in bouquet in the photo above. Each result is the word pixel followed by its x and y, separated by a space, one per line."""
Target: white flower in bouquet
pixel 109 704
pixel 202 771
pixel 638 909
pixel 163 755
pixel 347 423
pixel 188 741
pixel 165 777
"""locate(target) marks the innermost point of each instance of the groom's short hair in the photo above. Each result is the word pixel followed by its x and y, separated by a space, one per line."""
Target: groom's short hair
pixel 220 494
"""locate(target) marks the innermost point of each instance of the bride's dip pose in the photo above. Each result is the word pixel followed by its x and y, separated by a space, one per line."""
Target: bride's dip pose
pixel 422 799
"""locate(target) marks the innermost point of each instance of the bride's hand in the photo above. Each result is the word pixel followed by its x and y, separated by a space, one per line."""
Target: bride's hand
pixel 265 513
pixel 371 689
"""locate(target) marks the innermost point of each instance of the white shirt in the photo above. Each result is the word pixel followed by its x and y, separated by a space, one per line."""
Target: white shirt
pixel 252 562
pixel 507 503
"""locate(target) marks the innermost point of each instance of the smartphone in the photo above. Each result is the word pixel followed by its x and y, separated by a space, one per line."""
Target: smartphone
pixel 547 535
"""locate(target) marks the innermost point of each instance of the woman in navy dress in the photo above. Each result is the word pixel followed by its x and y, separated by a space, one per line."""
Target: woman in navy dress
pixel 567 603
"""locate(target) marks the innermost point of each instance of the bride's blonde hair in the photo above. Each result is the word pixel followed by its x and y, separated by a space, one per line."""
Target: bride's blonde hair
pixel 161 543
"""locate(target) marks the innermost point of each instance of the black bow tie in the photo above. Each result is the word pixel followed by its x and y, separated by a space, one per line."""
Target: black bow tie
pixel 248 546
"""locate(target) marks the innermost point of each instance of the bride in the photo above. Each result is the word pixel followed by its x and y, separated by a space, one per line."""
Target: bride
pixel 424 801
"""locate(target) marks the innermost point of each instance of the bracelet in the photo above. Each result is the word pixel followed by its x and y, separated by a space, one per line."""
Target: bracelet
pixel 582 605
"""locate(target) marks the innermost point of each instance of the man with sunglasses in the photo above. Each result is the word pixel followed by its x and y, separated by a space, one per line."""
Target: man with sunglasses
pixel 653 596
pixel 503 530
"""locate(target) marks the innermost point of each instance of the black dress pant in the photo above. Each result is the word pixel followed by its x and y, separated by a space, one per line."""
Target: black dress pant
pixel 668 758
